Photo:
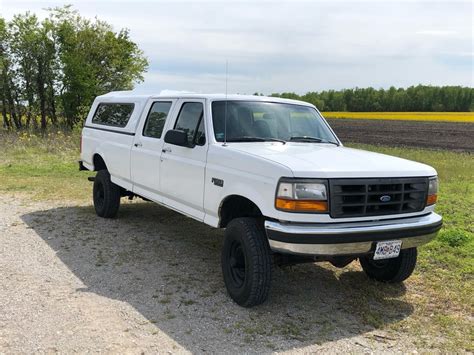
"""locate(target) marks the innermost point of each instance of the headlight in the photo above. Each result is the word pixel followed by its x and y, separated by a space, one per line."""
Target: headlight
pixel 302 196
pixel 432 191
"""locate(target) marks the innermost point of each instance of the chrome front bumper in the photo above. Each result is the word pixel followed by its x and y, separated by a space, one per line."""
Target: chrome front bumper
pixel 350 238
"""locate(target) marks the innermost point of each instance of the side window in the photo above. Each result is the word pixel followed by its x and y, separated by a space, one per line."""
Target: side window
pixel 190 120
pixel 113 114
pixel 200 138
pixel 156 119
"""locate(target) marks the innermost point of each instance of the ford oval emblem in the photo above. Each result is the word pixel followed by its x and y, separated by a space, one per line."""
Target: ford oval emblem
pixel 385 198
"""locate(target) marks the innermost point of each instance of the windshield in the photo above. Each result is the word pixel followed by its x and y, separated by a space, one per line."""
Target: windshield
pixel 249 121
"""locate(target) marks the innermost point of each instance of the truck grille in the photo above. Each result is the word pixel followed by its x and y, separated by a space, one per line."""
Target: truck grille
pixel 376 197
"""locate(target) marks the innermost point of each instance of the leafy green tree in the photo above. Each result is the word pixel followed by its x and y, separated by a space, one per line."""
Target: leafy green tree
pixel 95 60
pixel 3 75
pixel 22 31
pixel 414 98
pixel 53 70
pixel 9 92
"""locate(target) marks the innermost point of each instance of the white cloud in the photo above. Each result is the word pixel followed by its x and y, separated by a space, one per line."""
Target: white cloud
pixel 437 32
pixel 290 46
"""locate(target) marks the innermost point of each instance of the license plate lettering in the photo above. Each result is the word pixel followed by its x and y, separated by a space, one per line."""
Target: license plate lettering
pixel 387 249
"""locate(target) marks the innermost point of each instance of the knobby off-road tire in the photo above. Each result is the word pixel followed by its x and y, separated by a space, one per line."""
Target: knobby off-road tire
pixel 246 262
pixel 106 195
pixel 391 270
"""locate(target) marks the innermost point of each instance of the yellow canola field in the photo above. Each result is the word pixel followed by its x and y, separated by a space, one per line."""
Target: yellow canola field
pixel 409 116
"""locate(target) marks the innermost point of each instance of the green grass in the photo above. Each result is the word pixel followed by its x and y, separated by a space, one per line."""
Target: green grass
pixel 43 167
pixel 441 290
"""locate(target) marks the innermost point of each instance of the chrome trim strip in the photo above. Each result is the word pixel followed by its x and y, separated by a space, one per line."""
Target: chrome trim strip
pixel 341 248
pixel 355 227
pixel 110 130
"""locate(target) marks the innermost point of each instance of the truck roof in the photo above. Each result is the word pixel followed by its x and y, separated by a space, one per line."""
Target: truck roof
pixel 131 95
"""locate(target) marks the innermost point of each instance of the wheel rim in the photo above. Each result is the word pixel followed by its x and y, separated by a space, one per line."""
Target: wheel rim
pixel 237 264
pixel 99 195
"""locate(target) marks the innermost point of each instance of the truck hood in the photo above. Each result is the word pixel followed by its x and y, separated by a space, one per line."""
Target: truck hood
pixel 329 161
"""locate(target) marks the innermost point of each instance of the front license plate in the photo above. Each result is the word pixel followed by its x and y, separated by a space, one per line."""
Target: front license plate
pixel 387 249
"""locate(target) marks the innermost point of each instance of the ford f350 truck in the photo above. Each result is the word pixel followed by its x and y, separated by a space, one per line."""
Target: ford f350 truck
pixel 272 173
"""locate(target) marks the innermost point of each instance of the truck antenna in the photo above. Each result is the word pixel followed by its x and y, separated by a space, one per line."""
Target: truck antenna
pixel 225 109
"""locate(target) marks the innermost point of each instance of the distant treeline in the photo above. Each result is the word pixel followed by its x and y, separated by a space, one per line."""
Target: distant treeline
pixel 51 70
pixel 415 98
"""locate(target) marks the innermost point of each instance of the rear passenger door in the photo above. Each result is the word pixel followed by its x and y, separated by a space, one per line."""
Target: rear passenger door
pixel 146 149
pixel 182 168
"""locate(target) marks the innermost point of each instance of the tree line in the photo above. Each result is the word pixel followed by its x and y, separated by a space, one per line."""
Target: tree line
pixel 421 98
pixel 51 70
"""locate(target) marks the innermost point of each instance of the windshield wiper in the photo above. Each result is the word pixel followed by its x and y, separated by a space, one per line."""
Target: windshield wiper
pixel 254 139
pixel 310 139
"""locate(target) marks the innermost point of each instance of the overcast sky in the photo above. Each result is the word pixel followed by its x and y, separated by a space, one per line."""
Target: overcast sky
pixel 295 46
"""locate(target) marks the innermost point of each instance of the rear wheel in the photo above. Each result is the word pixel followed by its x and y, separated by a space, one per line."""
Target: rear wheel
pixel 106 195
pixel 246 262
pixel 390 270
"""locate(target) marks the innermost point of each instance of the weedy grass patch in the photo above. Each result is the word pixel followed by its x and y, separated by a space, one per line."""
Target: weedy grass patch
pixel 43 166
pixel 409 116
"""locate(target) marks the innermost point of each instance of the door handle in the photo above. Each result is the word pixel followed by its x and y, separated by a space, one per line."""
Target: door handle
pixel 138 144
pixel 166 150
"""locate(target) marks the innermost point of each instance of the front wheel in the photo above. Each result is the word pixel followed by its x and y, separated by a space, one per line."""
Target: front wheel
pixel 390 270
pixel 106 195
pixel 246 262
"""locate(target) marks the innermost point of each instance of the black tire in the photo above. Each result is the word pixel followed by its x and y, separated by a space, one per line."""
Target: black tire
pixel 390 270
pixel 246 262
pixel 106 195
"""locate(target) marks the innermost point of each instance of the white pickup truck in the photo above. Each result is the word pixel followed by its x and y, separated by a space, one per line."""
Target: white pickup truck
pixel 272 173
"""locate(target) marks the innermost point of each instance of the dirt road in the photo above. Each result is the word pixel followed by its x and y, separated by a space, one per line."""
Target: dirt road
pixel 150 281
pixel 439 135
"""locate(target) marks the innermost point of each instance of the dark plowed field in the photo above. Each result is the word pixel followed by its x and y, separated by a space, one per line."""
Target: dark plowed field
pixel 438 135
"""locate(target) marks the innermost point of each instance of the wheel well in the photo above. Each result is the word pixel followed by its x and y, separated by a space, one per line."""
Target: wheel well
pixel 236 206
pixel 99 163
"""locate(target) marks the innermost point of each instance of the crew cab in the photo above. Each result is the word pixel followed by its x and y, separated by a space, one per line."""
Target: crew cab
pixel 269 171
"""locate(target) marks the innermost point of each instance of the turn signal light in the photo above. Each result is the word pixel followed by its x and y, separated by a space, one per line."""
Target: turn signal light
pixel 301 205
pixel 432 191
pixel 431 199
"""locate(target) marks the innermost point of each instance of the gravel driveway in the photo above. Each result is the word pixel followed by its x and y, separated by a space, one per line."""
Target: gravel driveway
pixel 150 281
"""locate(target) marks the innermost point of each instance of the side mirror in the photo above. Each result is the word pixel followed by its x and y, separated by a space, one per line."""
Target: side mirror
pixel 177 137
